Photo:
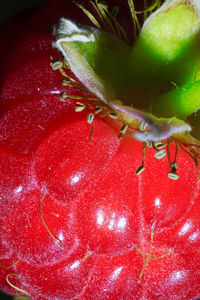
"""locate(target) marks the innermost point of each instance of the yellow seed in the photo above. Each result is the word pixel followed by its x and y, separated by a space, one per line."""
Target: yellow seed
pixel 160 154
pixel 90 118
pixel 79 108
pixel 98 109
pixel 81 104
pixel 56 65
pixel 174 166
pixel 140 170
pixel 173 176
pixel 149 144
pixel 65 81
pixel 63 96
pixel 160 145
pixel 113 115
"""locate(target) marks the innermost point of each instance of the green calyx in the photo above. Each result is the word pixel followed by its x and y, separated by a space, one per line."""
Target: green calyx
pixel 180 101
pixel 95 57
pixel 158 76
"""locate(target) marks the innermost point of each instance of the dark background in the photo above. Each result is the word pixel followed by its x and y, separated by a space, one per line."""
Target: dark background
pixel 11 7
pixel 5 297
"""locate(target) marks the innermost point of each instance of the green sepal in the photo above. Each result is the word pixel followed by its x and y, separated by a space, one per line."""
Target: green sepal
pixel 159 73
pixel 194 120
pixel 168 46
pixel 180 102
pixel 159 128
pixel 97 58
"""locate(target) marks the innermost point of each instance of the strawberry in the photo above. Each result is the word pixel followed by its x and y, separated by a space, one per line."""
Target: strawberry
pixel 99 176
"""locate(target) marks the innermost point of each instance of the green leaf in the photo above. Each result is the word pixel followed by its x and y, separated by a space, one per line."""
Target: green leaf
pixel 97 58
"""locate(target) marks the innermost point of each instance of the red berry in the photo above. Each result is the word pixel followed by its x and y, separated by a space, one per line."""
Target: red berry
pixel 67 164
pixel 76 221
pixel 63 280
pixel 24 225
